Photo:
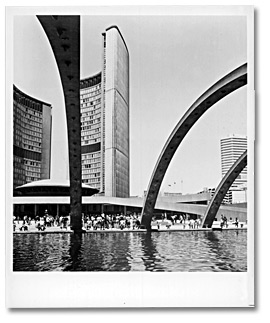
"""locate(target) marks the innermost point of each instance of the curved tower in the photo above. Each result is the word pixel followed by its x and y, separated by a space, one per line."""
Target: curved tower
pixel 105 120
pixel 31 138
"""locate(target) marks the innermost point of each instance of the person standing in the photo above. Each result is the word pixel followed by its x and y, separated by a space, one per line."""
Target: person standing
pixel 236 222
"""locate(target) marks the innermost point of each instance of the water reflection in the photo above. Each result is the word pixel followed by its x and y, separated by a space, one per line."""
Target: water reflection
pixel 225 252
pixel 74 252
pixel 151 258
pixel 130 251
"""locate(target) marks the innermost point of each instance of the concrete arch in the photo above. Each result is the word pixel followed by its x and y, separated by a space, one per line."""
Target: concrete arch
pixel 222 189
pixel 226 85
pixel 63 33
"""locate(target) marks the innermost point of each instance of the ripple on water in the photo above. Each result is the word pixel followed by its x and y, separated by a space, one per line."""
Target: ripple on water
pixel 159 251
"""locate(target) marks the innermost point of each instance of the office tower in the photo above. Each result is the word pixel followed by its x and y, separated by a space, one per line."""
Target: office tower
pixel 232 148
pixel 31 138
pixel 105 120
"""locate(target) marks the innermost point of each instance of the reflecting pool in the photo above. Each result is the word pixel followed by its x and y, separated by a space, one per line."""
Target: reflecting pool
pixel 197 251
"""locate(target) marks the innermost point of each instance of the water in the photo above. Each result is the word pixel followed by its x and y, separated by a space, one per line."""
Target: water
pixel 197 251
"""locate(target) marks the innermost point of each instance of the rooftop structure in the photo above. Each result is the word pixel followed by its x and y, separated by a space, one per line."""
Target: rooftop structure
pixel 51 188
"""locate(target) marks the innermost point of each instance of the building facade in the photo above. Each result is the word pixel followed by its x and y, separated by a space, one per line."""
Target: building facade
pixel 232 148
pixel 105 120
pixel 31 138
pixel 91 131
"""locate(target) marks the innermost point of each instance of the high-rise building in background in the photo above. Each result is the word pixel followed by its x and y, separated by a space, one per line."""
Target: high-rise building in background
pixel 105 120
pixel 227 198
pixel 31 138
pixel 232 148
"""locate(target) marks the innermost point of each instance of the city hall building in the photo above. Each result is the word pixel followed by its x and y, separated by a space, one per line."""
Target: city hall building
pixel 104 101
pixel 31 138
pixel 105 120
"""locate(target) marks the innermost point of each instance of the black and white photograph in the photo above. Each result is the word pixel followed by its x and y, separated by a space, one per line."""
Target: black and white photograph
pixel 131 155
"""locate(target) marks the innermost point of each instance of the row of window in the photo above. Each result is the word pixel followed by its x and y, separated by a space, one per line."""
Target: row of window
pixel 93 136
pixel 94 164
pixel 93 111
pixel 22 109
pixel 17 159
pixel 18 171
pixel 31 163
pixel 32 174
pixel 90 175
pixel 90 89
pixel 233 151
pixel 90 108
pixel 91 171
pixel 86 123
pixel 32 169
pixel 85 119
pixel 90 142
pixel 90 95
pixel 27 145
pixel 88 104
pixel 30 147
pixel 31 179
pixel 19 129
pixel 91 180
pixel 90 133
pixel 18 177
pixel 27 126
pixel 92 160
pixel 93 126
pixel 27 121
pixel 32 138
pixel 90 155
pixel 26 102
pixel 28 115
pixel 30 142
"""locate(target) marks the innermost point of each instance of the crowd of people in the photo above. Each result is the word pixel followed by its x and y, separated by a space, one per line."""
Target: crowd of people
pixel 183 220
pixel 89 222
pixel 224 223
pixel 112 221
pixel 40 222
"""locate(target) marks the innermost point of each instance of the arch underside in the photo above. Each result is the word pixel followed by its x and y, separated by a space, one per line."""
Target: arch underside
pixel 219 90
pixel 222 190
pixel 63 33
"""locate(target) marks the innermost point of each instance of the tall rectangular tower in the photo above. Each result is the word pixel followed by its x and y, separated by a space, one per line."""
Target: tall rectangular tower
pixel 232 148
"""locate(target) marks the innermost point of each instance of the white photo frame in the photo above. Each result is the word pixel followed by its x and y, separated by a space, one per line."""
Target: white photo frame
pixel 131 289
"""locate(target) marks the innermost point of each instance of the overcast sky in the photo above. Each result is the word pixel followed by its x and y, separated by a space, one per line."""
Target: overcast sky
pixel 173 60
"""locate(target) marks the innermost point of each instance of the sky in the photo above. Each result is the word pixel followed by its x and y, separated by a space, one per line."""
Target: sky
pixel 173 60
